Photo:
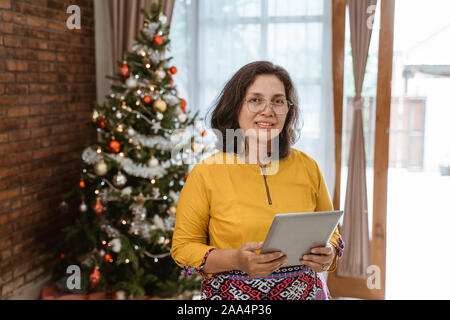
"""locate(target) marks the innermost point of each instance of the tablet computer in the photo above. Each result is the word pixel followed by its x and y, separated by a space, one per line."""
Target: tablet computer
pixel 295 234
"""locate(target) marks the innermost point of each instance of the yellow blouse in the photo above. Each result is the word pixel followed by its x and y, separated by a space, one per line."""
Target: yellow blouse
pixel 226 202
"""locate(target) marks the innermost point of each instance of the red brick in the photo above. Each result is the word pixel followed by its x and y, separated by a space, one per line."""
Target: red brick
pixel 58 26
pixel 3 137
pixel 9 124
pixel 18 112
pixel 48 77
pixel 36 22
pixel 46 56
pixel 38 44
pixel 15 42
pixel 18 135
pixel 7 77
pixel 24 54
pixel 27 77
pixel 20 157
pixel 6 27
pixel 13 285
pixel 8 16
pixel 16 65
pixel 5 4
pixel 16 89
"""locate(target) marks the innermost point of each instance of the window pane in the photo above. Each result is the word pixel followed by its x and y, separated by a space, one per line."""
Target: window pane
pixel 301 55
pixel 229 8
pixel 295 7
pixel 227 49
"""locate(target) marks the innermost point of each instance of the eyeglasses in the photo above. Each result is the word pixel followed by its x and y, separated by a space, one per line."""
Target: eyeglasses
pixel 279 105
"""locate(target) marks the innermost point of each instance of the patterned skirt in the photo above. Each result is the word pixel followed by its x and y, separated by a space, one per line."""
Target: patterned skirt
pixel 287 283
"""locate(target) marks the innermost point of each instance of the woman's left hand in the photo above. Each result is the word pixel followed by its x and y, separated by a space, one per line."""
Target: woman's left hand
pixel 320 258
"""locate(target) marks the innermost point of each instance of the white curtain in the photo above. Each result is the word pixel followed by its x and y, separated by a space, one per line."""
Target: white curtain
pixel 211 40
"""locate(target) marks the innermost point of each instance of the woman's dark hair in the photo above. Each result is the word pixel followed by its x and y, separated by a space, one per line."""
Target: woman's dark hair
pixel 231 99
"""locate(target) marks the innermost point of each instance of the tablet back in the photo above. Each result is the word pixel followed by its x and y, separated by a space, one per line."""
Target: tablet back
pixel 295 234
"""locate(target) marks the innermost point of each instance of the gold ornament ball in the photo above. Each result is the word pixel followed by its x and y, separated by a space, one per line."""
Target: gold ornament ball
pixel 172 210
pixel 160 105
pixel 101 168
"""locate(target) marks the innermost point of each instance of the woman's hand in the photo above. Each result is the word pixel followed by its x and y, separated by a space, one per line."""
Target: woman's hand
pixel 257 265
pixel 320 258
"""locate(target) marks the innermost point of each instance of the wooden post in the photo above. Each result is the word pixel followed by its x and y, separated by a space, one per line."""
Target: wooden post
pixel 352 287
pixel 381 152
pixel 338 57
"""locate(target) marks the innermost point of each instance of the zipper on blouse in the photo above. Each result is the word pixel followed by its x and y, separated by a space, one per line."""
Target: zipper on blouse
pixel 267 187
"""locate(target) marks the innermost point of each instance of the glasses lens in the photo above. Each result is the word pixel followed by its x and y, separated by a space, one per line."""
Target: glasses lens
pixel 279 106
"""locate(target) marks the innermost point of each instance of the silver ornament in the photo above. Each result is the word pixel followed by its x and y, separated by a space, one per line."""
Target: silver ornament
pixel 162 18
pixel 131 82
pixel 116 245
pixel 182 117
pixel 120 179
pixel 153 162
pixel 131 131
pixel 160 74
pixel 83 207
pixel 126 191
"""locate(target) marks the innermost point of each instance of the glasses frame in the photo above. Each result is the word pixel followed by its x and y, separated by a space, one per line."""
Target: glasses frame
pixel 289 104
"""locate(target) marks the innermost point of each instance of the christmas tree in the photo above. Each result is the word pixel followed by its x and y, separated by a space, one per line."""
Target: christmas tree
pixel 131 177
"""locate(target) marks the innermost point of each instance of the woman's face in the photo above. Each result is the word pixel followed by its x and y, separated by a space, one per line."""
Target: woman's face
pixel 268 87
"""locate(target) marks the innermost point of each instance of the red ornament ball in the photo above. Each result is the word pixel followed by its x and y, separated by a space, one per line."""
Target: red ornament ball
pixel 98 208
pixel 125 71
pixel 94 278
pixel 108 258
pixel 183 105
pixel 173 70
pixel 203 133
pixel 101 124
pixel 157 40
pixel 82 184
pixel 114 146
pixel 62 256
pixel 147 99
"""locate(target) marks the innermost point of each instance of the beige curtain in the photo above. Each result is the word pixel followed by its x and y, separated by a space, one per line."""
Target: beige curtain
pixel 355 226
pixel 127 21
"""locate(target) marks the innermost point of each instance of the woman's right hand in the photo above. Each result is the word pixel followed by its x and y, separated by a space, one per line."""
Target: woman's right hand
pixel 257 265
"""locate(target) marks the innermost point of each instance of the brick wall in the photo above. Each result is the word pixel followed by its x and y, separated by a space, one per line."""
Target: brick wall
pixel 47 89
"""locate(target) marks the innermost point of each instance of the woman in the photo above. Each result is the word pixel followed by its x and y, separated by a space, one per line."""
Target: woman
pixel 229 199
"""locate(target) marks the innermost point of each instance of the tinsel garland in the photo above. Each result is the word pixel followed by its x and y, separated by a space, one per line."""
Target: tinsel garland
pixel 90 156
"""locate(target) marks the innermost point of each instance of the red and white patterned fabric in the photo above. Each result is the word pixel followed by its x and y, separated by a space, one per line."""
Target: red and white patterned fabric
pixel 287 283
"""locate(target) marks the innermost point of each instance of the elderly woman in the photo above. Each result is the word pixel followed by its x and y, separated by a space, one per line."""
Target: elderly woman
pixel 228 202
